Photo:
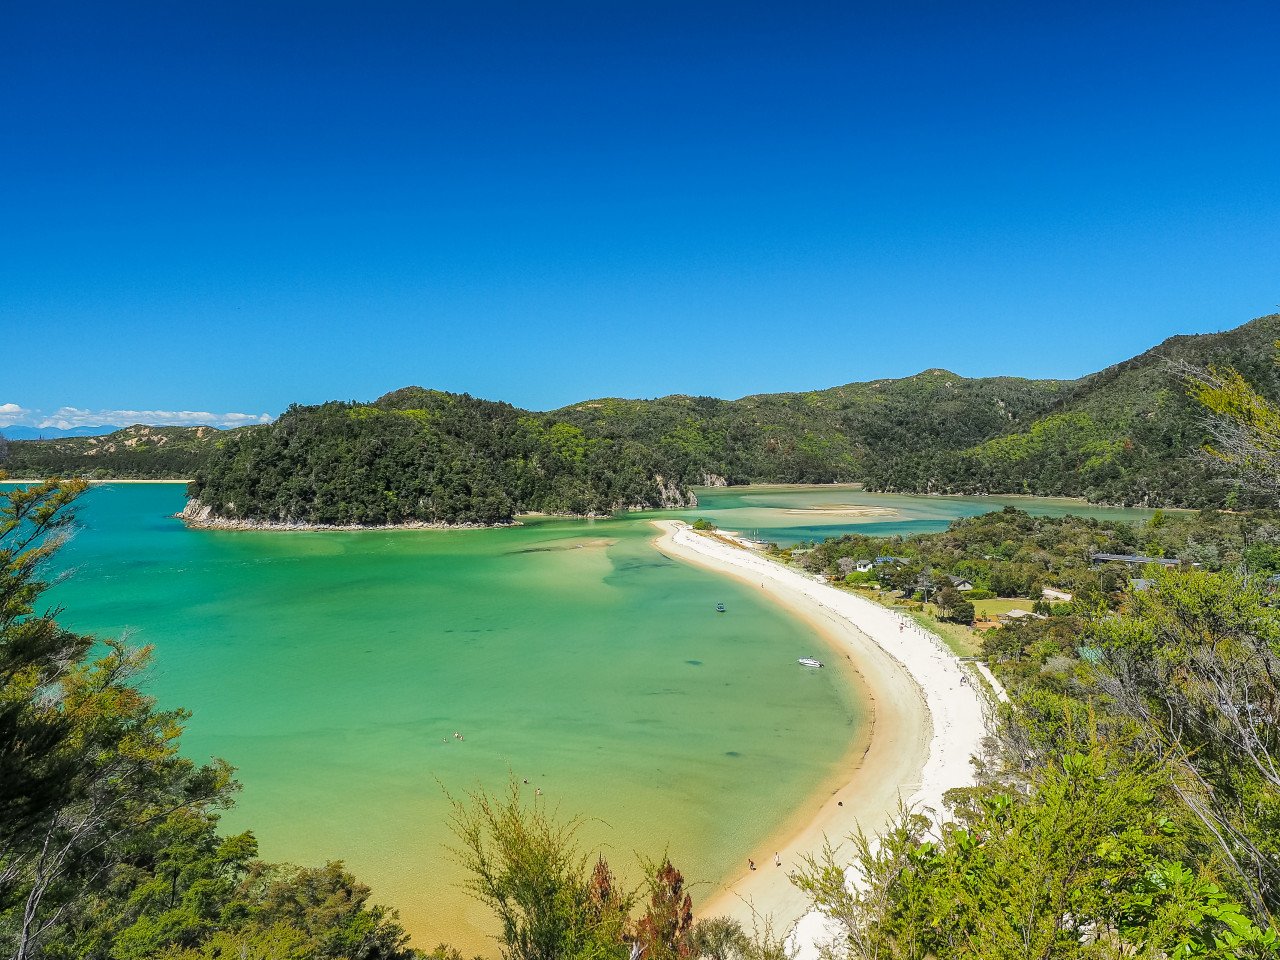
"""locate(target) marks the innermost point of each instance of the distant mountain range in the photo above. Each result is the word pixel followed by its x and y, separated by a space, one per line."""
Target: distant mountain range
pixel 1128 434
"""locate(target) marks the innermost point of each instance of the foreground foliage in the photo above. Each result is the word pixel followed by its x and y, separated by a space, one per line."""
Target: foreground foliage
pixel 555 902
pixel 1084 860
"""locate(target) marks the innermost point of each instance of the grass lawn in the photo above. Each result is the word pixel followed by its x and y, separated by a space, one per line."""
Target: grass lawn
pixel 990 609
pixel 963 641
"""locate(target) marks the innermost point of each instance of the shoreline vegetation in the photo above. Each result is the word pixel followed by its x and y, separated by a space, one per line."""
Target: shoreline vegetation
pixel 197 516
pixel 928 717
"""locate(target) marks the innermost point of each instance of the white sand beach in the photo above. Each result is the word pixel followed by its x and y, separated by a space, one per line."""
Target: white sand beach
pixel 929 718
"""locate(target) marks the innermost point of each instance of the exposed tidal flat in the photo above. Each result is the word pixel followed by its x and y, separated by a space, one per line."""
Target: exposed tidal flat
pixel 793 513
pixel 333 669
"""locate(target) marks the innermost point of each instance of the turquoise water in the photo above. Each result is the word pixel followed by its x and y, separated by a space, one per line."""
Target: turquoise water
pixel 333 669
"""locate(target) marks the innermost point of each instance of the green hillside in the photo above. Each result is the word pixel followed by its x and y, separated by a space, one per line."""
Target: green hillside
pixel 822 436
pixel 420 455
pixel 1128 434
pixel 135 452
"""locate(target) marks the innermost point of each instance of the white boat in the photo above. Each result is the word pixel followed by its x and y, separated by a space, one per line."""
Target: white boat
pixel 809 662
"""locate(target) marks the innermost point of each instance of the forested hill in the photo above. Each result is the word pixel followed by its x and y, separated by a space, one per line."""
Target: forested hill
pixel 420 455
pixel 1128 434
pixel 822 436
pixel 137 452
pixel 426 456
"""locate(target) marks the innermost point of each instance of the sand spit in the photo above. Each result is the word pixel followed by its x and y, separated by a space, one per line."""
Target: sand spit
pixel 929 717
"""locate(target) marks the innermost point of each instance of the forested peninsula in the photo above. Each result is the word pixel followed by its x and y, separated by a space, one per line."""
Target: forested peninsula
pixel 423 456
pixel 1129 434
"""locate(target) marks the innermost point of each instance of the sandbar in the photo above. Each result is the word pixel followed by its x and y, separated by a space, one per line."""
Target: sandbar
pixel 848 510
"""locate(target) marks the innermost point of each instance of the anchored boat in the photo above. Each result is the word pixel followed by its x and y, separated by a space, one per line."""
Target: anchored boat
pixel 719 608
pixel 809 662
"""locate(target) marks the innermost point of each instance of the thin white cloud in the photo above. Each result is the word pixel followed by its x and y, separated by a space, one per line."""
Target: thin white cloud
pixel 11 413
pixel 67 417
pixel 64 418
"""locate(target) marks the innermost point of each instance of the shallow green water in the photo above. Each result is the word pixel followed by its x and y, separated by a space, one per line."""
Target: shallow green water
pixel 333 668
pixel 792 514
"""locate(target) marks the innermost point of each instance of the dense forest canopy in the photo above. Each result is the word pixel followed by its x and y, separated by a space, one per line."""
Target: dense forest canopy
pixel 1130 434
pixel 423 456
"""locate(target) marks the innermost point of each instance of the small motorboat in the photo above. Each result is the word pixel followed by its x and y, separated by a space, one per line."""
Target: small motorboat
pixel 809 662
pixel 719 608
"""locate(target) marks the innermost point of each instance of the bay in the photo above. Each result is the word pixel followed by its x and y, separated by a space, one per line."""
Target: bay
pixel 333 670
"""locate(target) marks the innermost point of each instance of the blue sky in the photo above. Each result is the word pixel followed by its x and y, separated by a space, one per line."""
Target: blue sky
pixel 214 208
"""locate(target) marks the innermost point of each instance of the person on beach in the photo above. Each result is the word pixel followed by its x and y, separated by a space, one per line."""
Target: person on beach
pixel 751 864
pixel 777 860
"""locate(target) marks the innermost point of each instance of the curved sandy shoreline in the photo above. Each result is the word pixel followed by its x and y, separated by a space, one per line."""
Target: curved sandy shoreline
pixel 929 718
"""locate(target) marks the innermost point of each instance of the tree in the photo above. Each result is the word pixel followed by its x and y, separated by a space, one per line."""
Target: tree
pixel 88 759
pixel 527 868
pixel 718 938
pixel 664 932
pixel 1195 663
pixel 1244 425
pixel 954 606
pixel 34 652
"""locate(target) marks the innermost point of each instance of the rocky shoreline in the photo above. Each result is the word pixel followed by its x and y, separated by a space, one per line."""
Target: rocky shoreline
pixel 198 516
